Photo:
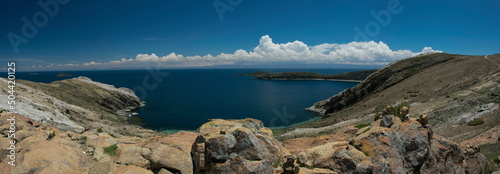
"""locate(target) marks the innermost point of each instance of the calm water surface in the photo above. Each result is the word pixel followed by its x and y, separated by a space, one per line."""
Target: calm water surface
pixel 186 98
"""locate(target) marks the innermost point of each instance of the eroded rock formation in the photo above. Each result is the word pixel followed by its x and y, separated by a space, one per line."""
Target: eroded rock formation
pixel 237 146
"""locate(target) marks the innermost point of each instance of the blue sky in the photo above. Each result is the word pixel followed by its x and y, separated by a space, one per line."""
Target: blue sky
pixel 133 34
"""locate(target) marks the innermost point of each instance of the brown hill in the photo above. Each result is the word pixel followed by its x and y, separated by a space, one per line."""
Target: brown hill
pixel 461 95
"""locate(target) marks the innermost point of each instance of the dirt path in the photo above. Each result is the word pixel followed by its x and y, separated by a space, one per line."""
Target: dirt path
pixel 486 57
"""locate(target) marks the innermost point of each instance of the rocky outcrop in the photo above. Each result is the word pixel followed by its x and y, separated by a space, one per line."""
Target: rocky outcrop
pixel 41 148
pixel 236 146
pixel 76 105
pixel 403 147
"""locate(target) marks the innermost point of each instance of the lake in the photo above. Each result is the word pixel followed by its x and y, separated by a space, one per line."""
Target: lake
pixel 183 99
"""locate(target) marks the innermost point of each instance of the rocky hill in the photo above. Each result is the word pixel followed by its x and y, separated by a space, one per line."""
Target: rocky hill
pixel 459 93
pixel 76 104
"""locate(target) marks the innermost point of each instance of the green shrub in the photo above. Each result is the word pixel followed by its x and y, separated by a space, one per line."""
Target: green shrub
pixel 51 135
pixel 362 126
pixel 377 116
pixel 475 122
pixel 99 130
pixel 111 150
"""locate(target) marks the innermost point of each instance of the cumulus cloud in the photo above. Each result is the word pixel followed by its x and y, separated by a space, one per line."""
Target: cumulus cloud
pixel 268 52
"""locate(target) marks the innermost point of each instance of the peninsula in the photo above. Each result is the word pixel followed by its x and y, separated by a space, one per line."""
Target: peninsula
pixel 355 76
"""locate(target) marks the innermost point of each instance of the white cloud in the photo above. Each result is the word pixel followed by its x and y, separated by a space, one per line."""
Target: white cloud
pixel 267 51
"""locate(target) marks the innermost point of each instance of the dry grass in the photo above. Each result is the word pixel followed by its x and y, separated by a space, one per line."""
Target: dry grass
pixel 444 90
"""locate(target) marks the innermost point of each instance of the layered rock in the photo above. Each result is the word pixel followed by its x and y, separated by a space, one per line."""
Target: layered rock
pixel 237 146
pixel 75 105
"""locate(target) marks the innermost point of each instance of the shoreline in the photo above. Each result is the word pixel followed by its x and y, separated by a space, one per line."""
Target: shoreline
pixel 333 80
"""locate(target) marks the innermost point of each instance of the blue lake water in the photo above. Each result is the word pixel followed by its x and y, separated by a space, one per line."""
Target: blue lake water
pixel 183 99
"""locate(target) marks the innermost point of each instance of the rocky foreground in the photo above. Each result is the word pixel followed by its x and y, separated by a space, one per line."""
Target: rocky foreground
pixel 238 146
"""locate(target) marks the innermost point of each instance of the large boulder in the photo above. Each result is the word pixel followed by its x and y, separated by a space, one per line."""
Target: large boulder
pixel 50 157
pixel 171 152
pixel 237 146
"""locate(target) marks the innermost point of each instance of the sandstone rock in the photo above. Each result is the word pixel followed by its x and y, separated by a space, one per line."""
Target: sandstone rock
pixel 300 144
pixel 164 171
pixel 51 157
pixel 100 156
pixel 171 151
pixel 101 140
pixel 316 171
pixel 130 169
pixel 131 154
pixel 245 146
pixel 351 160
pixel 320 156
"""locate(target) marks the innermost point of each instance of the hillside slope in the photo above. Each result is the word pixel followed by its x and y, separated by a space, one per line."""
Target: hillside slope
pixel 76 104
pixel 452 89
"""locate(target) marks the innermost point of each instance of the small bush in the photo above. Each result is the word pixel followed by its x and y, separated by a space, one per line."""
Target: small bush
pixel 111 150
pixel 84 138
pixel 362 126
pixel 475 122
pixel 99 130
pixel 377 116
pixel 51 135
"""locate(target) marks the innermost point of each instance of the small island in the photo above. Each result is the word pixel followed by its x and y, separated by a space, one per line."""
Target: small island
pixel 355 76
pixel 62 75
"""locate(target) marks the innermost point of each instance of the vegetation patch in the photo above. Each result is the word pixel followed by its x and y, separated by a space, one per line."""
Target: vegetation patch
pixel 363 132
pixel 51 135
pixel 362 126
pixel 392 110
pixel 475 122
pixel 111 150
pixel 492 151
